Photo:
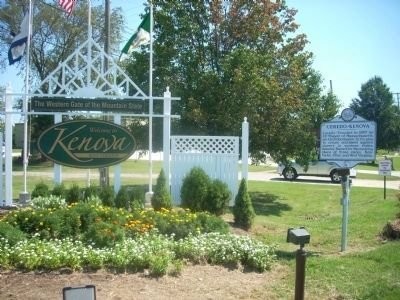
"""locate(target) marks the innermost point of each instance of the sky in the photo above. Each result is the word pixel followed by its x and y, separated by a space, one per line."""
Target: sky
pixel 352 41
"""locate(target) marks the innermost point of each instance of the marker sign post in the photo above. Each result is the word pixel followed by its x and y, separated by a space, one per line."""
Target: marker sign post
pixel 385 169
pixel 347 140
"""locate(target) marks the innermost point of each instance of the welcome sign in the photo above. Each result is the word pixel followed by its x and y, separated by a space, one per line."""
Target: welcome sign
pixel 86 143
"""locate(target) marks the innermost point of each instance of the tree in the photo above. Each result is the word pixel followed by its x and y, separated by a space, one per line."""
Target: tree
pixel 375 103
pixel 233 59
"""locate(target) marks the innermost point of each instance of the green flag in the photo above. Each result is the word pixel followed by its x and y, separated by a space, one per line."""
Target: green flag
pixel 140 37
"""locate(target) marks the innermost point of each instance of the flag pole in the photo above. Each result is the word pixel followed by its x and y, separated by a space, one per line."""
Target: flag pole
pixel 24 195
pixel 151 102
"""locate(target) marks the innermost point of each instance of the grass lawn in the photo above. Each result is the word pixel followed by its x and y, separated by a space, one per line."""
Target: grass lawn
pixel 368 269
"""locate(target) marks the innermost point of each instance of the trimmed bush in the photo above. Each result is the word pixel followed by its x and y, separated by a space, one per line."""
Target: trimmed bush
pixel 161 197
pixel 107 196
pixel 74 194
pixel 217 198
pixel 90 192
pixel 40 190
pixel 122 200
pixel 11 234
pixel 59 190
pixel 243 211
pixel 194 189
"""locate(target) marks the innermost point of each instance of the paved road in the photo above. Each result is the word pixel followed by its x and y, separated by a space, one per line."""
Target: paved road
pixel 273 176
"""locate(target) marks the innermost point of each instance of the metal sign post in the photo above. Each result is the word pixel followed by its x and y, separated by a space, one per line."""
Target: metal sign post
pixel 347 140
pixel 385 169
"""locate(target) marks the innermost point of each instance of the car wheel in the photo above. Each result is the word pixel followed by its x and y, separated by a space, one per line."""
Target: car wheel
pixel 289 173
pixel 335 177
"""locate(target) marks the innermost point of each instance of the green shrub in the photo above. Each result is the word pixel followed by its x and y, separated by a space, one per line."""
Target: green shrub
pixel 122 200
pixel 74 194
pixel 210 223
pixel 90 192
pixel 217 198
pixel 243 211
pixel 161 197
pixel 195 189
pixel 59 190
pixel 40 190
pixel 102 234
pixel 10 234
pixel 107 196
pixel 136 198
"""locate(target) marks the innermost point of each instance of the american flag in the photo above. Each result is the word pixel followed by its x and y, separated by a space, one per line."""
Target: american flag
pixel 67 5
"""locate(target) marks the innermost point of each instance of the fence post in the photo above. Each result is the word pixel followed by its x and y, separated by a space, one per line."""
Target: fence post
pixel 117 168
pixel 57 169
pixel 245 148
pixel 167 137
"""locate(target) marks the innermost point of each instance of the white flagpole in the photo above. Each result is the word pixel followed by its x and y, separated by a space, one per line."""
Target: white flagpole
pixel 25 106
pixel 151 102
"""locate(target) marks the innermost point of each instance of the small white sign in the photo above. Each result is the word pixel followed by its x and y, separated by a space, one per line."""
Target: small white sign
pixel 385 167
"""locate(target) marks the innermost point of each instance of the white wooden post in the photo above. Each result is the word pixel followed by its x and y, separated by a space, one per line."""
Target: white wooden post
pixel 117 168
pixel 57 168
pixel 167 137
pixel 245 148
pixel 8 147
pixel 2 199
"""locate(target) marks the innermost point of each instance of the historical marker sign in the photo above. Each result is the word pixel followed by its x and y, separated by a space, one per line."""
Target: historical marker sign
pixel 348 142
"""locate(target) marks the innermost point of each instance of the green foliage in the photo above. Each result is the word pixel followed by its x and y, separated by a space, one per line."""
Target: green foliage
pixel 59 190
pixel 217 198
pixel 90 192
pixel 161 197
pixel 103 234
pixel 182 223
pixel 243 211
pixel 122 200
pixel 375 103
pixel 240 59
pixel 107 196
pixel 74 194
pixel 10 234
pixel 194 189
pixel 136 198
pixel 40 190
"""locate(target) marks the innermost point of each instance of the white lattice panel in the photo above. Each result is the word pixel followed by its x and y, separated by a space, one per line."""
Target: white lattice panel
pixel 217 156
pixel 204 144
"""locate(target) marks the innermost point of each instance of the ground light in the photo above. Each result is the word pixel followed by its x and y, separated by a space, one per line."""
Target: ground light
pixel 299 236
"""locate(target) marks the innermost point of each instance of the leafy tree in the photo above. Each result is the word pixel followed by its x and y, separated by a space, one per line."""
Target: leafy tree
pixel 375 103
pixel 233 59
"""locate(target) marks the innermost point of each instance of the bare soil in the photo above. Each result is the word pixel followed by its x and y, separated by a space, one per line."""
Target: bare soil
pixel 195 282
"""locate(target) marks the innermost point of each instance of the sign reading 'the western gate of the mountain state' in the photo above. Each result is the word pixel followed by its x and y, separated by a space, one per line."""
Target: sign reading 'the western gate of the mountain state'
pixel 45 104
pixel 349 139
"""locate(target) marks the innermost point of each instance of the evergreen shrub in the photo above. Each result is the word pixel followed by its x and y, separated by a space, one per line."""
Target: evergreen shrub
pixel 161 197
pixel 243 211
pixel 194 189
pixel 40 190
pixel 217 198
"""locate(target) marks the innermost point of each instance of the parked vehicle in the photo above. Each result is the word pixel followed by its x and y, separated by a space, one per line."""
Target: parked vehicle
pixel 315 168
